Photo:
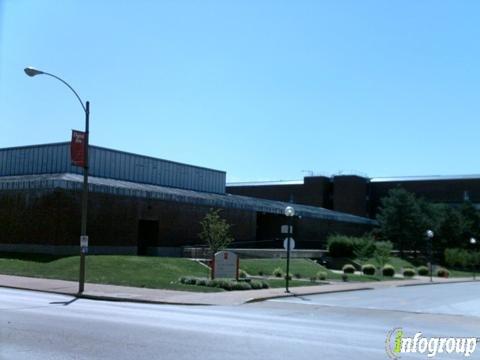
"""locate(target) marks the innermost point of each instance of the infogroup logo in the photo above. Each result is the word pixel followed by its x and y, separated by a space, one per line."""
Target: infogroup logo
pixel 397 343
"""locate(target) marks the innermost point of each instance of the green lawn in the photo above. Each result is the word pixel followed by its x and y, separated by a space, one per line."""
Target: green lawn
pixel 153 272
pixel 138 271
pixel 305 267
pixel 461 273
pixel 396 262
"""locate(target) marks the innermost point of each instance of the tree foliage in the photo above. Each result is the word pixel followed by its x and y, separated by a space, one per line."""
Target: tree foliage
pixel 403 219
pixel 215 231
pixel 383 250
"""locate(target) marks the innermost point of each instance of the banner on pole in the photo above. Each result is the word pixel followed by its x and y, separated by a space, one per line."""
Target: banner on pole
pixel 77 148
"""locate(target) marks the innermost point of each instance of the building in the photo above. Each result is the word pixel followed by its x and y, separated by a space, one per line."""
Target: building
pixel 362 196
pixel 139 205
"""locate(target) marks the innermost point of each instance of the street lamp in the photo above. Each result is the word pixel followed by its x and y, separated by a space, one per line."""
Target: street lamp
pixel 473 242
pixel 289 213
pixel 86 108
pixel 430 236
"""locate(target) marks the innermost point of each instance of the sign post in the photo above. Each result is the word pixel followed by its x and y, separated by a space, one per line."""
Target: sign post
pixel 287 244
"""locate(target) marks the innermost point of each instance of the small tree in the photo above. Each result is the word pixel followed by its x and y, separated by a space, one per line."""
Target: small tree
pixel 382 253
pixel 215 231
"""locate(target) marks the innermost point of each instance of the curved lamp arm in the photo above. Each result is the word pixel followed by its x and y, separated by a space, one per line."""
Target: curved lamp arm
pixel 32 72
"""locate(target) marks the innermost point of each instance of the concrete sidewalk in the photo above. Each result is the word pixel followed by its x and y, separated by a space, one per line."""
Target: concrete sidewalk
pixel 160 296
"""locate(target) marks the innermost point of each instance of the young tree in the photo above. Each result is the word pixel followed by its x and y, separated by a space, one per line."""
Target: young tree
pixel 383 250
pixel 215 231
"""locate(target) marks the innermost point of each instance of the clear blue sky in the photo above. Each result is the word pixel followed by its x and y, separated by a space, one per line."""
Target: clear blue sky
pixel 261 89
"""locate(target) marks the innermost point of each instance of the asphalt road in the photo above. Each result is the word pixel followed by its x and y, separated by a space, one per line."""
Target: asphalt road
pixel 336 326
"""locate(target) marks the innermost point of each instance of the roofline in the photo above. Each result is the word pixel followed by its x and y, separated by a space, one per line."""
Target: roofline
pixel 265 183
pixel 129 188
pixel 113 150
pixel 426 178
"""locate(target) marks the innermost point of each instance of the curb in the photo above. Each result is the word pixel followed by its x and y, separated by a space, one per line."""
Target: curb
pixel 439 283
pixel 104 298
pixel 137 301
pixel 259 299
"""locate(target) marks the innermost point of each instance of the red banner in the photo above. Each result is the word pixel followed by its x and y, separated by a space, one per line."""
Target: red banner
pixel 77 148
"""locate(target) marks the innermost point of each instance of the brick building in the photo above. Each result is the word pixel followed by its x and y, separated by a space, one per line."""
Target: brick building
pixel 142 205
pixel 359 195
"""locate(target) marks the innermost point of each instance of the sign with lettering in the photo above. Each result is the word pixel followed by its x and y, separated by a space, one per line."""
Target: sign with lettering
pixel 225 265
pixel 77 148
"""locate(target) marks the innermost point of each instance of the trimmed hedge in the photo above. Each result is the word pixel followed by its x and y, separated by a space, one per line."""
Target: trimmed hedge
pixel 442 272
pixel 322 275
pixel 226 284
pixel 348 269
pixel 388 270
pixel 408 272
pixel 369 269
pixel 423 271
pixel 278 272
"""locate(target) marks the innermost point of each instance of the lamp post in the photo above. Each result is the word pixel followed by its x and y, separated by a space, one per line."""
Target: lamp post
pixel 473 242
pixel 289 213
pixel 86 108
pixel 430 236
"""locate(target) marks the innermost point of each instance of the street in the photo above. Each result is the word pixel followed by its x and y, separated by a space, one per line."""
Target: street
pixel 350 325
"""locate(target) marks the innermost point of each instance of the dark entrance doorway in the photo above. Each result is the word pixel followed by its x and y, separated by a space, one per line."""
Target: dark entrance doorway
pixel 147 235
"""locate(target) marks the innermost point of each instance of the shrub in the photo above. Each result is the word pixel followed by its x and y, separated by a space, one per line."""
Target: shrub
pixel 242 274
pixel 289 276
pixel 261 273
pixel 313 279
pixel 278 272
pixel 369 269
pixel 388 270
pixel 340 246
pixel 344 277
pixel 408 272
pixel 364 247
pixel 201 282
pixel 255 284
pixel 443 273
pixel 222 284
pixel 240 286
pixel 423 271
pixel 322 275
pixel 188 280
pixel 265 285
pixel 298 275
pixel 461 258
pixel 349 246
pixel 348 269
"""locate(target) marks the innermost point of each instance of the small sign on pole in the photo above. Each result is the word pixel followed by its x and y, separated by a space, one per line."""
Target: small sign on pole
pixel 292 244
pixel 77 148
pixel 286 229
pixel 84 244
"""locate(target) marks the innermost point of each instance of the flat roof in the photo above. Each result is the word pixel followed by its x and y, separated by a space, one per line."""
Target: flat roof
pixel 69 181
pixel 425 178
pixel 266 183
pixel 374 179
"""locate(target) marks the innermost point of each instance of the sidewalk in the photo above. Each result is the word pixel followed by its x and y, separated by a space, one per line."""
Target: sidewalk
pixel 159 296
